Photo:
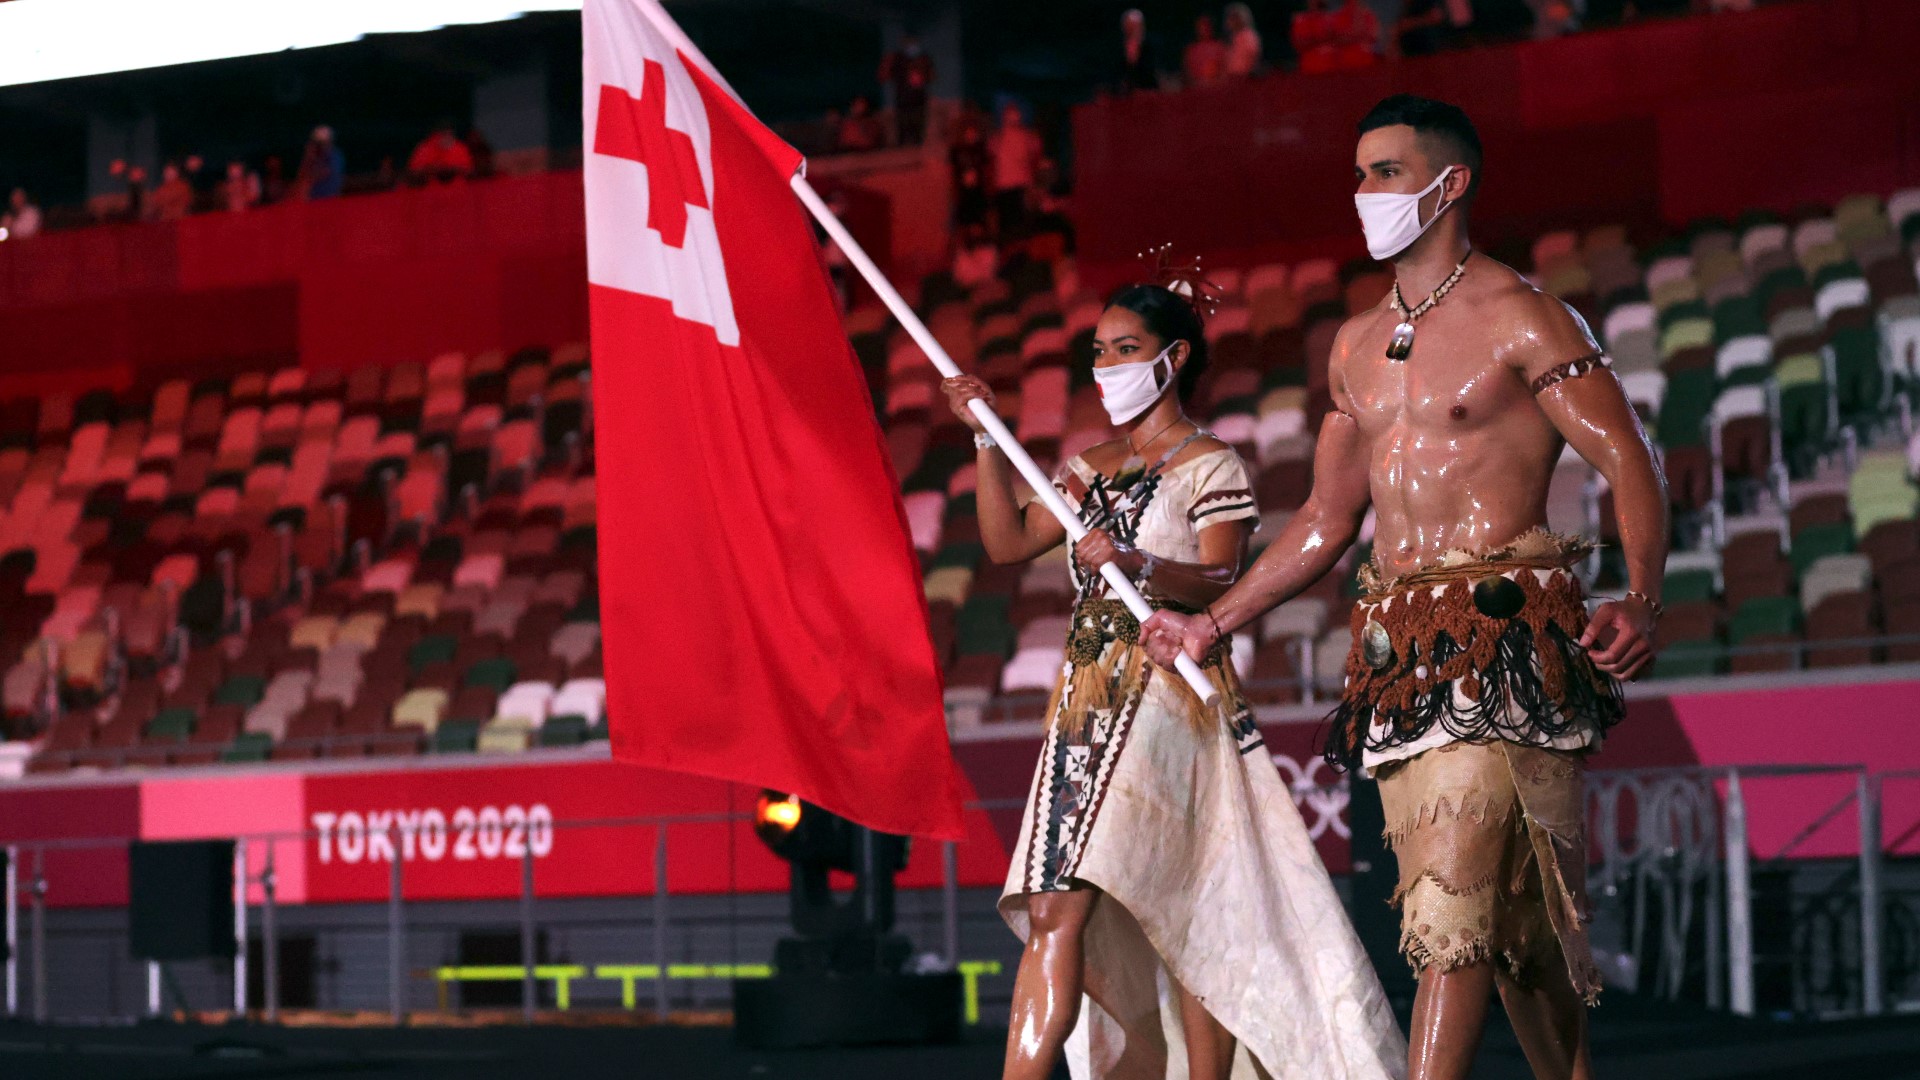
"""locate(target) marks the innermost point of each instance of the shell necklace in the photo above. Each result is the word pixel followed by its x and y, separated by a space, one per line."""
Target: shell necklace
pixel 1400 345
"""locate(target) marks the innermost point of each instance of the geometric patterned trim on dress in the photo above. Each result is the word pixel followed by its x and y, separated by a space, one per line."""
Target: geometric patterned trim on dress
pixel 1219 502
pixel 1077 771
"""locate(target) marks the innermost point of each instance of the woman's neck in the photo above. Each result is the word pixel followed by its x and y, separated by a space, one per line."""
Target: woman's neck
pixel 1152 428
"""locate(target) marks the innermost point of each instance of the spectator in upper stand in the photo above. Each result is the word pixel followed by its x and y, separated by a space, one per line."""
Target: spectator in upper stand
pixel 440 157
pixel 975 259
pixel 1356 35
pixel 1206 58
pixel 1313 39
pixel 1555 17
pixel 273 180
pixel 1423 28
pixel 482 152
pixel 972 166
pixel 1243 42
pixel 1139 67
pixel 139 206
pixel 173 199
pixel 323 168
pixel 22 218
pixel 241 189
pixel 206 189
pixel 860 129
pixel 1016 153
pixel 909 70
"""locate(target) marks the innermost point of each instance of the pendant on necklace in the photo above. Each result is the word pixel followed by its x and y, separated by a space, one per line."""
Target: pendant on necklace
pixel 1401 344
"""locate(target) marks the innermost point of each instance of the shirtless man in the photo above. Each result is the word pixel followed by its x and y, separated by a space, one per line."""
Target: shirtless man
pixel 1476 683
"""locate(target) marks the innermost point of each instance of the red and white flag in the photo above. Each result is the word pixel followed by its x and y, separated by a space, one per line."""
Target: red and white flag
pixel 761 603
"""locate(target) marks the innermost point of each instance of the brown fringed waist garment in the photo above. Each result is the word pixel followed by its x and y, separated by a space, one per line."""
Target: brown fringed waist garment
pixel 1106 667
pixel 1483 645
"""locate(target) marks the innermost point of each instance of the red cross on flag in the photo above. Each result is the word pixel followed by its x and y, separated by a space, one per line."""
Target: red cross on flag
pixel 761 604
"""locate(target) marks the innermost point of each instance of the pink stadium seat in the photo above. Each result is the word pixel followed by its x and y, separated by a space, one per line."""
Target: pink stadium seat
pixel 84 451
pixel 280 427
pixel 514 445
pixel 445 370
pixel 248 388
pixel 287 384
pixel 170 403
pixel 525 384
pixel 239 439
pixel 482 569
pixel 366 389
pixel 419 496
pixel 204 420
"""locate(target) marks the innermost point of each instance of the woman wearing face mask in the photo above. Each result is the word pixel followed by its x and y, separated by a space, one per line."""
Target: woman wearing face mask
pixel 1158 834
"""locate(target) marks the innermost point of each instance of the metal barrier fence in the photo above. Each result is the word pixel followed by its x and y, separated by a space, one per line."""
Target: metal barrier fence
pixel 1672 880
pixel 27 886
pixel 1676 841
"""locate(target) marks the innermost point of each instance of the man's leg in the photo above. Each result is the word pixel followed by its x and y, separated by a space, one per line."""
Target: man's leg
pixel 1449 1012
pixel 1550 1020
pixel 1047 988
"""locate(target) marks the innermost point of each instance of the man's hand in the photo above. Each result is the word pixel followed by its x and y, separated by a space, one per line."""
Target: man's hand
pixel 1098 548
pixel 1168 634
pixel 1623 632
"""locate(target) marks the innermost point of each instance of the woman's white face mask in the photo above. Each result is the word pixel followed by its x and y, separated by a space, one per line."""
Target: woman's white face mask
pixel 1392 221
pixel 1127 390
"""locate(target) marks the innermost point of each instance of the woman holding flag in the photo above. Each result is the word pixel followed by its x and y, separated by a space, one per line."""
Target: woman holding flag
pixel 1158 836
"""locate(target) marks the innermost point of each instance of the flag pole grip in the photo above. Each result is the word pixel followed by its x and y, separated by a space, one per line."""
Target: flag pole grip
pixel 1023 462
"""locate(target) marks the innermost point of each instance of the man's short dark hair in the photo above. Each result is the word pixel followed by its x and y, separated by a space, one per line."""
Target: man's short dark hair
pixel 1446 127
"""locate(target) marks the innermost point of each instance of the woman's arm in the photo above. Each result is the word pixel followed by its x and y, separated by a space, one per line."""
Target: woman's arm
pixel 1009 533
pixel 1223 551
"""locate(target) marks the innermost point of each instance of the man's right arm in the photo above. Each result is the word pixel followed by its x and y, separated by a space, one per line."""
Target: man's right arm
pixel 1314 537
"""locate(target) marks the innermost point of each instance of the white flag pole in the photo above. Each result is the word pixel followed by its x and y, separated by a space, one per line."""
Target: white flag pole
pixel 1022 461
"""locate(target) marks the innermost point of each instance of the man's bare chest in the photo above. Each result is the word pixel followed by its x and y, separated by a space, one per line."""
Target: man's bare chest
pixel 1453 376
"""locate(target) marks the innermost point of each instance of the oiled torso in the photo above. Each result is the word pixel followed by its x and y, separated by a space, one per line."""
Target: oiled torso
pixel 1459 453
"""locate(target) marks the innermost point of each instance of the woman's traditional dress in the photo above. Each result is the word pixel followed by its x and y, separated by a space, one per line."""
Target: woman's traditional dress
pixel 1175 812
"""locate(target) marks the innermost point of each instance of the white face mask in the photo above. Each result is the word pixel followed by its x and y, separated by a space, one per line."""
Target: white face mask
pixel 1392 221
pixel 1127 390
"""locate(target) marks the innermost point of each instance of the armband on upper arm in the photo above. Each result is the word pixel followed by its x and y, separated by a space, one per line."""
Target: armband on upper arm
pixel 1572 369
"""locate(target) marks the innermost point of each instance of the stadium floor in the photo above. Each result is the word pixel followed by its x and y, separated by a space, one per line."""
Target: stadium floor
pixel 1633 1038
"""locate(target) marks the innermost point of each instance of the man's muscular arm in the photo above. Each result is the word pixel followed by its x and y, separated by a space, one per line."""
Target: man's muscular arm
pixel 1588 408
pixel 1306 549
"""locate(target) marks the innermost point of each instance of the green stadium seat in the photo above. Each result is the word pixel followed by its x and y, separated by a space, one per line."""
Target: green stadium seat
pixel 981 627
pixel 1859 378
pixel 1684 410
pixel 568 730
pixel 1738 316
pixel 432 649
pixel 1765 615
pixel 1816 541
pixel 242 690
pixel 1685 586
pixel 961 556
pixel 456 737
pixel 497 672
pixel 1690 659
pixel 172 725
pixel 249 746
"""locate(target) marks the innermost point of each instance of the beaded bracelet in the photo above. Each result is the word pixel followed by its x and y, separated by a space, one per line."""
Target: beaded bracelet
pixel 1659 610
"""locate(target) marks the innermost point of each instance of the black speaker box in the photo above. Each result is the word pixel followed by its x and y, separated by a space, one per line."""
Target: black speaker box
pixel 180 899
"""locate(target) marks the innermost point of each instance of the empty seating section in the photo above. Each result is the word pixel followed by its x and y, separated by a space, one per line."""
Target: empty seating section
pixel 297 564
pixel 293 564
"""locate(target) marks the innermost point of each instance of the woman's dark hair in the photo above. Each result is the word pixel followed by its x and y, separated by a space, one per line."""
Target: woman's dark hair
pixel 1171 317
